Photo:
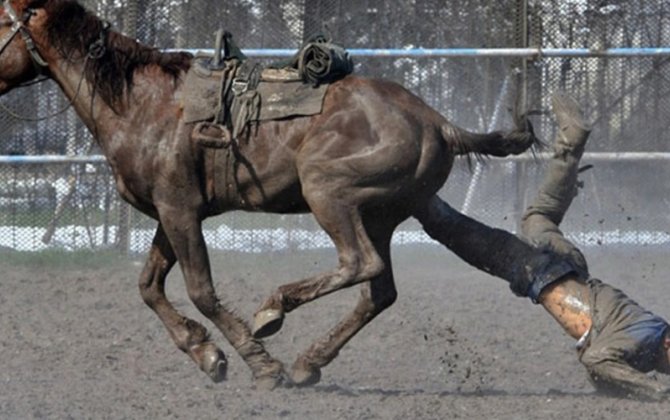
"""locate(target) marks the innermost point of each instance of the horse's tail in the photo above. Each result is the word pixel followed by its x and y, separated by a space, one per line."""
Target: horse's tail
pixel 497 143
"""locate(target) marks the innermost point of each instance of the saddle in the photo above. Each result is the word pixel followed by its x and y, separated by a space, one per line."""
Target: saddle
pixel 226 92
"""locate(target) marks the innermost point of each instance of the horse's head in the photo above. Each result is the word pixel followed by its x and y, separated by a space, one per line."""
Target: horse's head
pixel 19 59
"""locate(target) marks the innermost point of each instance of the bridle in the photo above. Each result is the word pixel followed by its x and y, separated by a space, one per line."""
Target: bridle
pixel 18 27
pixel 95 51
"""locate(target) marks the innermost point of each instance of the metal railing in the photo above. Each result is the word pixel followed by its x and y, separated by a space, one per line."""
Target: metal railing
pixel 260 238
pixel 530 53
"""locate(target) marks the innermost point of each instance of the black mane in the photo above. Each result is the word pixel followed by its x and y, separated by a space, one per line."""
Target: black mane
pixel 72 29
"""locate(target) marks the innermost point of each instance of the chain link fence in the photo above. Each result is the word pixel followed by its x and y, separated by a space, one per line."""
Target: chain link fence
pixel 624 200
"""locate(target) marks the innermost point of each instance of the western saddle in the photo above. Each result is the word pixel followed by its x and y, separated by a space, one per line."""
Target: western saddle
pixel 229 81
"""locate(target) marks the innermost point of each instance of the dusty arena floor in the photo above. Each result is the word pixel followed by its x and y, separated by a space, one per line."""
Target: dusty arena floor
pixel 77 342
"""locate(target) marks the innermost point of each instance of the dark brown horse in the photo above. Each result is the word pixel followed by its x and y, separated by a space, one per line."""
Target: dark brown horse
pixel 366 163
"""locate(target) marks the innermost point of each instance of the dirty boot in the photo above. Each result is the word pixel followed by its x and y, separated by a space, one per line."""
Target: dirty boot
pixel 573 131
pixel 559 185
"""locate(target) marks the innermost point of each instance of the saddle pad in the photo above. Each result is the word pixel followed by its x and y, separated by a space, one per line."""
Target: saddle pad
pixel 283 100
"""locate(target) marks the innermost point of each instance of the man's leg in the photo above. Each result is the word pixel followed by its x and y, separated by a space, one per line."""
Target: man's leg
pixel 495 251
pixel 527 269
pixel 539 224
pixel 566 300
pixel 540 272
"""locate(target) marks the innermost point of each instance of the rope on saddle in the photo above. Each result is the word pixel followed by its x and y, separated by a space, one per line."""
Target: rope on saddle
pixel 323 62
pixel 319 61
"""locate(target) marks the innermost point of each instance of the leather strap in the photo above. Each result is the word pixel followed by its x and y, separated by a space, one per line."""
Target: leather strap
pixel 18 27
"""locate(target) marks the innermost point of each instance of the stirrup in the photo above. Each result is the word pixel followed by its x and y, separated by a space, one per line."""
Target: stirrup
pixel 212 135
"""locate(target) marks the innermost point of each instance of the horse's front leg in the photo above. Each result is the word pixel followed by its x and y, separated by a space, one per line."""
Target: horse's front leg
pixel 189 336
pixel 183 229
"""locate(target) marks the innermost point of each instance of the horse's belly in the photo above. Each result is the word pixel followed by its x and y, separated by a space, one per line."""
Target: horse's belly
pixel 280 193
pixel 288 199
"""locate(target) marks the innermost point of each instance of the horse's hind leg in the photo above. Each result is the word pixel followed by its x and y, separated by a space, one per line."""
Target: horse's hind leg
pixel 376 295
pixel 189 336
pixel 358 261
pixel 183 229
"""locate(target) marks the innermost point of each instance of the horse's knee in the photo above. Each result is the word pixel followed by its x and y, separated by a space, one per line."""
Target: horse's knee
pixel 373 267
pixel 152 278
pixel 149 295
pixel 358 268
pixel 148 290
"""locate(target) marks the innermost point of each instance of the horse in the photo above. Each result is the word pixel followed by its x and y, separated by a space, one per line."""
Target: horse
pixel 374 156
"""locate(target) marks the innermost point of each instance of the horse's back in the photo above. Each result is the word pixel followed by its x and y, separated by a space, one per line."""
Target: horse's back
pixel 391 94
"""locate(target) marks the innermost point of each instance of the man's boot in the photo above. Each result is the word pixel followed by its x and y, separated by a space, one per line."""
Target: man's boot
pixel 559 186
pixel 539 224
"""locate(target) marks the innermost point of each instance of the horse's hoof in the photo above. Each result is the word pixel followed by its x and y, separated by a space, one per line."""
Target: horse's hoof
pixel 211 360
pixel 267 322
pixel 303 374
pixel 268 382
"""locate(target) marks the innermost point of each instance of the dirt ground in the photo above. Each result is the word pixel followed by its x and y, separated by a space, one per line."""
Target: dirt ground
pixel 79 343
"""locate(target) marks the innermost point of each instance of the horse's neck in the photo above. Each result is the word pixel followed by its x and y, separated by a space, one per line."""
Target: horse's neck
pixel 99 117
pixel 79 92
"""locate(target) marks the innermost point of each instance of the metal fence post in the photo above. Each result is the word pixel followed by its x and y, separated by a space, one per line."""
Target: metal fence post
pixel 521 41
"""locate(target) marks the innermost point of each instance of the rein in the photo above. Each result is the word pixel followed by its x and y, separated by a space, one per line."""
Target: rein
pixel 60 111
pixel 95 51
